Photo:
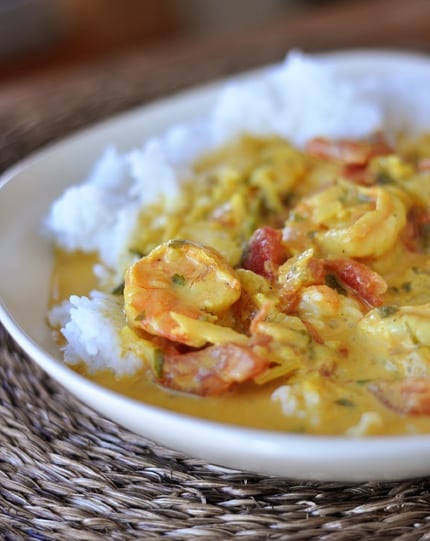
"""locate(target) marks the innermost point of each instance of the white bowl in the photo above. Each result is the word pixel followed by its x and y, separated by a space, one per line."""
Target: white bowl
pixel 27 192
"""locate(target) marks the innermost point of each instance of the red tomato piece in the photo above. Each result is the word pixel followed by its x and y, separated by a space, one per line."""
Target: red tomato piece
pixel 358 174
pixel 368 285
pixel 265 252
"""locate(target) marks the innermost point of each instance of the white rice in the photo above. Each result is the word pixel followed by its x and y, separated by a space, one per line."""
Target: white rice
pixel 92 327
pixel 299 99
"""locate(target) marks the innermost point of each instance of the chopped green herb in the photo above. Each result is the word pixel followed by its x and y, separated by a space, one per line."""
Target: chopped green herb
pixel 383 178
pixel 344 197
pixel 363 381
pixel 302 332
pixel 386 311
pixel 140 317
pixel 158 362
pixel 119 290
pixel 287 201
pixel 406 286
pixel 177 243
pixel 414 338
pixel 136 252
pixel 345 402
pixel 178 280
pixel 418 270
pixel 333 282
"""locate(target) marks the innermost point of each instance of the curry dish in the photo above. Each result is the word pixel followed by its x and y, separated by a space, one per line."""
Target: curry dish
pixel 285 289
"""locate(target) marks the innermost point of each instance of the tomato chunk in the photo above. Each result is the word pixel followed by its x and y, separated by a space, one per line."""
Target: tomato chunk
pixel 368 285
pixel 265 252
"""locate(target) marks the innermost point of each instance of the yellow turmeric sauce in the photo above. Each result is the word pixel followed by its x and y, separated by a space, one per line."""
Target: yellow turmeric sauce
pixel 332 395
pixel 247 405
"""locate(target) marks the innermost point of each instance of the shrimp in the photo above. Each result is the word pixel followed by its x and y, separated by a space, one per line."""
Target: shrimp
pixel 409 396
pixel 296 273
pixel 416 233
pixel 350 152
pixel 206 372
pixel 305 269
pixel 403 327
pixel 354 155
pixel 424 165
pixel 210 371
pixel 331 314
pixel 179 281
pixel 347 220
pixel 397 339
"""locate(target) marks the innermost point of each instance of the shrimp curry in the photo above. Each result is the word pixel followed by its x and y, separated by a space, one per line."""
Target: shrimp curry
pixel 285 289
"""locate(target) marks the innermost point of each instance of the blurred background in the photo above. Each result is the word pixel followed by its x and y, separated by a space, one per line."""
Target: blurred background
pixel 65 64
pixel 40 35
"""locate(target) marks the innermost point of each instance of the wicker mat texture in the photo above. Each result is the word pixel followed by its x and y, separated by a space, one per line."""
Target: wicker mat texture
pixel 66 473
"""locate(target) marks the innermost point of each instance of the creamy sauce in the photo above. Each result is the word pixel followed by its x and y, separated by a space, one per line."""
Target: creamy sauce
pixel 248 405
pixel 337 374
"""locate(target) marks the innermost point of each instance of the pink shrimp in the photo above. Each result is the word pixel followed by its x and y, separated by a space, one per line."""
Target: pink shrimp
pixel 410 396
pixel 209 371
pixel 179 278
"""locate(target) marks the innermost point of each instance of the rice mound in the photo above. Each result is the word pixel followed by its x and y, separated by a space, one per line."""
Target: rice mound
pixel 298 99
pixel 91 327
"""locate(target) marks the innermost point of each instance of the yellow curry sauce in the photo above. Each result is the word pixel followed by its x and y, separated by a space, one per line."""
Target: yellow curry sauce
pixel 319 268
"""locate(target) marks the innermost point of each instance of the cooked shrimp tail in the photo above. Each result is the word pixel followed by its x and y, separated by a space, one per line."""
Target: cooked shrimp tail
pixel 179 278
pixel 209 371
pixel 409 396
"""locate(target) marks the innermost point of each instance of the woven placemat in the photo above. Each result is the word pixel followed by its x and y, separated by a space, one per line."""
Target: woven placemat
pixel 66 473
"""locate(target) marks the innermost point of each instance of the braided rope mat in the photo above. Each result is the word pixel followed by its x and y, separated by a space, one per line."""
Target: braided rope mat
pixel 66 473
